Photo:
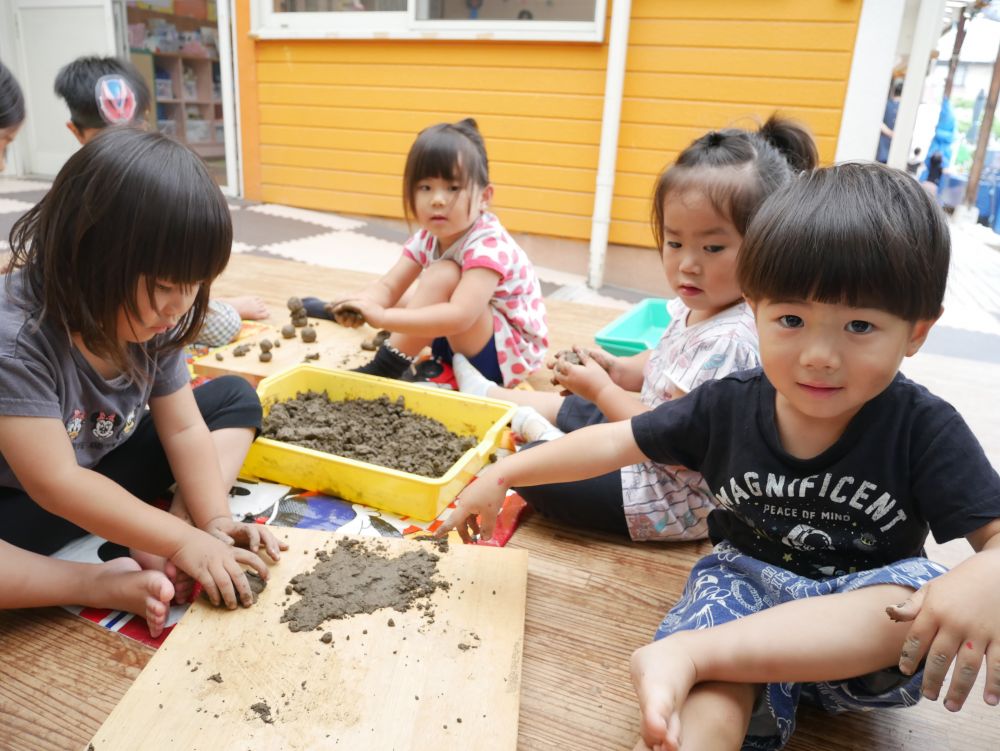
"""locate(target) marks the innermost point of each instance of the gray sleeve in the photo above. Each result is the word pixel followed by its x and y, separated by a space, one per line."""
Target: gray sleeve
pixel 27 390
pixel 171 373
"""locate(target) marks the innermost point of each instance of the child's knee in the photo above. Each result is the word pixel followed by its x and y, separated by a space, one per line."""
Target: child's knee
pixel 442 276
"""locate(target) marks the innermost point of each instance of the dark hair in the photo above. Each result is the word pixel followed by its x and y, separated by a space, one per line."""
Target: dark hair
pixel 736 169
pixel 76 83
pixel 897 88
pixel 11 99
pixel 862 235
pixel 454 151
pixel 128 208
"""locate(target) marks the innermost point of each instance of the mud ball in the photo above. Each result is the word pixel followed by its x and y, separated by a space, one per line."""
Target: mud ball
pixel 375 342
pixel 265 346
pixel 288 331
pixel 277 342
pixel 348 316
pixel 308 334
pixel 218 356
pixel 294 304
pixel 300 320
pixel 569 356
pixel 265 356
pixel 312 356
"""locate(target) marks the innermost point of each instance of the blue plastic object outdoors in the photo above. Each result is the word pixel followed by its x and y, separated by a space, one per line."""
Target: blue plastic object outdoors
pixel 636 330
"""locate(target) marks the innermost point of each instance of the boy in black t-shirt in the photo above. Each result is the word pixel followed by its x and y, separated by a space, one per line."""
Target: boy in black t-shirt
pixel 829 468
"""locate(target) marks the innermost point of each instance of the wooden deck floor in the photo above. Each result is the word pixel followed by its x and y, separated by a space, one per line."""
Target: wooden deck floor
pixel 591 601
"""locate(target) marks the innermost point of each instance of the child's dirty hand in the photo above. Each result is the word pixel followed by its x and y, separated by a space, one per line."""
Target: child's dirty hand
pixel 346 313
pixel 956 617
pixel 218 567
pixel 245 535
pixel 482 498
pixel 606 360
pixel 370 311
pixel 586 380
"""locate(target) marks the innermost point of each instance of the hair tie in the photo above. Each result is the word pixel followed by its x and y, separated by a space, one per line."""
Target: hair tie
pixel 115 100
pixel 714 138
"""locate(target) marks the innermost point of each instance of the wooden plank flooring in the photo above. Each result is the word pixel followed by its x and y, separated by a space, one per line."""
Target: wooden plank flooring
pixel 591 600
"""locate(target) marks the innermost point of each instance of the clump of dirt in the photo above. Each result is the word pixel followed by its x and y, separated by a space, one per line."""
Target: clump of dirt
pixel 311 356
pixel 569 356
pixel 218 356
pixel 308 334
pixel 346 314
pixel 257 584
pixel 217 677
pixel 441 543
pixel 240 350
pixel 263 711
pixel 360 577
pixel 298 312
pixel 265 345
pixel 375 341
pixel 379 431
pixel 288 331
pixel 265 356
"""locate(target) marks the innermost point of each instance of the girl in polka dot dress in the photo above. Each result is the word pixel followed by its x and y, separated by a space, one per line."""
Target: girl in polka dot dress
pixel 477 294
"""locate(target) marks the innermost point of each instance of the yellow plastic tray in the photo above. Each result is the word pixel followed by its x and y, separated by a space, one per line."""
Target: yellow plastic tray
pixel 399 492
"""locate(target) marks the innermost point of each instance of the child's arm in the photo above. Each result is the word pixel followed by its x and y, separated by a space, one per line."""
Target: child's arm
pixel 468 302
pixel 956 617
pixel 602 385
pixel 391 286
pixel 384 292
pixel 627 372
pixel 194 462
pixel 100 505
pixel 584 453
pixel 594 383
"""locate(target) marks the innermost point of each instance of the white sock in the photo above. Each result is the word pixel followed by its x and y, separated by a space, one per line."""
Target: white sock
pixel 531 426
pixel 470 380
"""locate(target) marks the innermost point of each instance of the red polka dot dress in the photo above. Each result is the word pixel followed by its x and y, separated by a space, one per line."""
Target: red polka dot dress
pixel 520 330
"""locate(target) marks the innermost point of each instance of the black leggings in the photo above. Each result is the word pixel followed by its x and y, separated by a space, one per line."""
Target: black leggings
pixel 596 503
pixel 139 465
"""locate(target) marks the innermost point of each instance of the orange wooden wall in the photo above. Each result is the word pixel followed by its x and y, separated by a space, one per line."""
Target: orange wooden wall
pixel 326 124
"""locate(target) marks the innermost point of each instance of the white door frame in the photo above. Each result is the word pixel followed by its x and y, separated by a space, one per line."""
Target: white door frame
pixel 12 56
pixel 230 97
pixel 31 156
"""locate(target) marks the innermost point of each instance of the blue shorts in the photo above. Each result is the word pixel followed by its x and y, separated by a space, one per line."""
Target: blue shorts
pixel 726 585
pixel 485 361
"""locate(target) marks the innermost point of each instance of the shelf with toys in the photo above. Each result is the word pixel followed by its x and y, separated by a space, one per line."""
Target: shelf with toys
pixel 174 43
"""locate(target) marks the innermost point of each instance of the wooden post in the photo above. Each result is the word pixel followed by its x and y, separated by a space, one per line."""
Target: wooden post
pixel 955 52
pixel 985 128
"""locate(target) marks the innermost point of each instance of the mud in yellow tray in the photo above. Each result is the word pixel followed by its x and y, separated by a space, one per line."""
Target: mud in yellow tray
pixel 400 492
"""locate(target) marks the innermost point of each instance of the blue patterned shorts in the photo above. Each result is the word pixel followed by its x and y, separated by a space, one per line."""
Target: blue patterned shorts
pixel 727 585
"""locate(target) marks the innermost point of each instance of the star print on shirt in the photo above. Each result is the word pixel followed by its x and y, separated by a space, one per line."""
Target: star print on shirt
pixel 787 557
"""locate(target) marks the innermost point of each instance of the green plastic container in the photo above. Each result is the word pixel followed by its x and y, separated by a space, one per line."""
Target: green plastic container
pixel 636 330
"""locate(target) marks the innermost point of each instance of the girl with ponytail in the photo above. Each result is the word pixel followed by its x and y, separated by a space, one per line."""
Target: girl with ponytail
pixel 702 204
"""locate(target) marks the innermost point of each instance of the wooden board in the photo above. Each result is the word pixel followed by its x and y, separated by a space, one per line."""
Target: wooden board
pixel 409 686
pixel 338 347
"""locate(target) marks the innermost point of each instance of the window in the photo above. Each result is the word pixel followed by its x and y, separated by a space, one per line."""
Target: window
pixel 541 20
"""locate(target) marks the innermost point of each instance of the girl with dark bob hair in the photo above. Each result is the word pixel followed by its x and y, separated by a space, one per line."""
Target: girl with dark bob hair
pixel 112 271
pixel 478 294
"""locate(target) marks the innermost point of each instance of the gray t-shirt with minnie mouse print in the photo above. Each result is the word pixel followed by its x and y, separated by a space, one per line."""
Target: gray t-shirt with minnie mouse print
pixel 42 374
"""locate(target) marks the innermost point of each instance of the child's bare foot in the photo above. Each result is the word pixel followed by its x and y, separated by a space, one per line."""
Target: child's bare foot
pixel 122 585
pixel 250 307
pixel 182 583
pixel 663 675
